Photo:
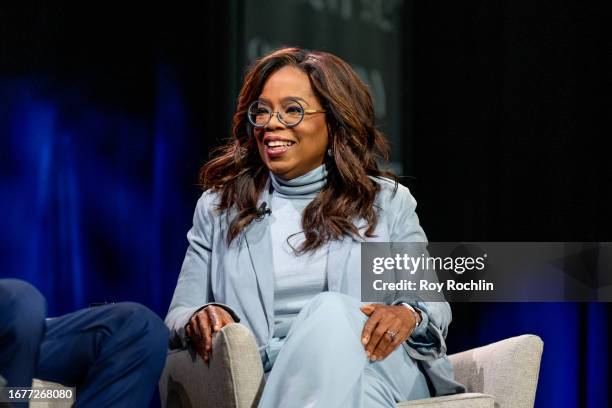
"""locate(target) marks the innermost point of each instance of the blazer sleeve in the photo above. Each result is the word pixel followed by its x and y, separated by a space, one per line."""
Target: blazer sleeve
pixel 193 290
pixel 427 342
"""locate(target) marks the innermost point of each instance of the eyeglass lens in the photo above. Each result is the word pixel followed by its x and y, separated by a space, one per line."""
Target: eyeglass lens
pixel 290 114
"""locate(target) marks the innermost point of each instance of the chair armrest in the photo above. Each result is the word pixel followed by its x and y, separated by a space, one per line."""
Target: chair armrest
pixel 233 378
pixel 507 370
pixel 467 400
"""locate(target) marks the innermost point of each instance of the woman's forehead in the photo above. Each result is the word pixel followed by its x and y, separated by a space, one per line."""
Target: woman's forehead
pixel 285 83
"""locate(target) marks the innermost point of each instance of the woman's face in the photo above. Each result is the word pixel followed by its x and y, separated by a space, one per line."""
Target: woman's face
pixel 307 141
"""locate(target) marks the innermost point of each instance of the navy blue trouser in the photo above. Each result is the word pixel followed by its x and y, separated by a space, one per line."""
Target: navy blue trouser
pixel 112 354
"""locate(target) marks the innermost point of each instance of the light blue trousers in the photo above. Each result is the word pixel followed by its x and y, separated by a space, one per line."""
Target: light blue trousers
pixel 323 363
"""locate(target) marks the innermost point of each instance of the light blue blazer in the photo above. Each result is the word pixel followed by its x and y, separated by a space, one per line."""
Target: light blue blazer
pixel 240 277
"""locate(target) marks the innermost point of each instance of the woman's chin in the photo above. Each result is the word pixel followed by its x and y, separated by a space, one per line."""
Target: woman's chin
pixel 279 167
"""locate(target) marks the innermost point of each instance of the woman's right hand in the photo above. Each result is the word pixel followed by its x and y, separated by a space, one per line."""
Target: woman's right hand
pixel 203 324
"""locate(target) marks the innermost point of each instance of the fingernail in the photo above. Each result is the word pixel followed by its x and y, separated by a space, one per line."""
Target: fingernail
pixel 374 358
pixel 365 339
pixel 368 353
pixel 216 328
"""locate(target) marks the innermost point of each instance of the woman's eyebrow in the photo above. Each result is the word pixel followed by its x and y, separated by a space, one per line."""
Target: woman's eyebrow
pixel 286 98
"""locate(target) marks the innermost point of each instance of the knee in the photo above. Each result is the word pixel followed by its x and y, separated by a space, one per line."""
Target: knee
pixel 22 308
pixel 333 301
pixel 145 329
pixel 20 297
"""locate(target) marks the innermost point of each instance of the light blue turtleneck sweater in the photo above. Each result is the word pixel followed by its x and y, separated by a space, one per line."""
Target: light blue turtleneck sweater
pixel 297 277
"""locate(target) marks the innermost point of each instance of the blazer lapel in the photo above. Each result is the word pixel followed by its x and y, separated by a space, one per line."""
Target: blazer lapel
pixel 259 245
pixel 338 260
pixel 339 255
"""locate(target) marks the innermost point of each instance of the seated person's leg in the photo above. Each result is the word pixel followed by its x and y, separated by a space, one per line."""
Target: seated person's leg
pixel 323 362
pixel 22 324
pixel 113 354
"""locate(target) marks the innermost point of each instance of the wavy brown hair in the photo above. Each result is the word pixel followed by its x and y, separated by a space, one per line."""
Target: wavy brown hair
pixel 239 175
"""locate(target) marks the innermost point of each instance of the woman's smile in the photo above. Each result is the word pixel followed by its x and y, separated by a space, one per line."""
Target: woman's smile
pixel 276 146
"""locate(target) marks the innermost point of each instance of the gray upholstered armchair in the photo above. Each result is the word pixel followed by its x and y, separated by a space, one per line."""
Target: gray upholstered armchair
pixel 502 374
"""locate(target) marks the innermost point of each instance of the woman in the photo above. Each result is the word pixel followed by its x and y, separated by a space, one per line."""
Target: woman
pixel 276 239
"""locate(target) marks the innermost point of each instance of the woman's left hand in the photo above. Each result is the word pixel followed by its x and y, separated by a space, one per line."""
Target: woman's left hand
pixel 387 328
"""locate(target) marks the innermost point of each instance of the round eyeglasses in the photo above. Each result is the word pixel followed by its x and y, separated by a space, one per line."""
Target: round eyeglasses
pixel 260 113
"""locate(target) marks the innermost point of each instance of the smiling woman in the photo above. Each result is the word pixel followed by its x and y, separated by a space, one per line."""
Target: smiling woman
pixel 305 152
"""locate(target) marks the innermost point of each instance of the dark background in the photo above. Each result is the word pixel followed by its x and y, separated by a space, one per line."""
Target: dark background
pixel 497 112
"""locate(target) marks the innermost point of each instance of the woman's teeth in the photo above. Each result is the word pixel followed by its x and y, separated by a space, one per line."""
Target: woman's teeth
pixel 276 143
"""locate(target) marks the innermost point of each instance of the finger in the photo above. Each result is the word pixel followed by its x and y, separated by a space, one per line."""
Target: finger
pixel 193 331
pixel 214 318
pixel 195 337
pixel 226 318
pixel 220 318
pixel 368 327
pixel 379 338
pixel 204 327
pixel 189 332
pixel 403 327
pixel 375 338
pixel 400 335
pixel 193 328
pixel 368 309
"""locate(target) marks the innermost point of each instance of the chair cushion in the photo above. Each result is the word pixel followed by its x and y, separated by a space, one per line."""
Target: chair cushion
pixel 467 400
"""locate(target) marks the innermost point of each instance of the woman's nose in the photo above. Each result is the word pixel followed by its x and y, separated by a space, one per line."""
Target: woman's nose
pixel 275 123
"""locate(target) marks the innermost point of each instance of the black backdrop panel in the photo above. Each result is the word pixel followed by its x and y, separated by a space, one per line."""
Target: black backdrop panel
pixel 368 35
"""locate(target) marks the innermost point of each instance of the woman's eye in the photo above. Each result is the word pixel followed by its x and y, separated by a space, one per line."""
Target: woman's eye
pixel 294 110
